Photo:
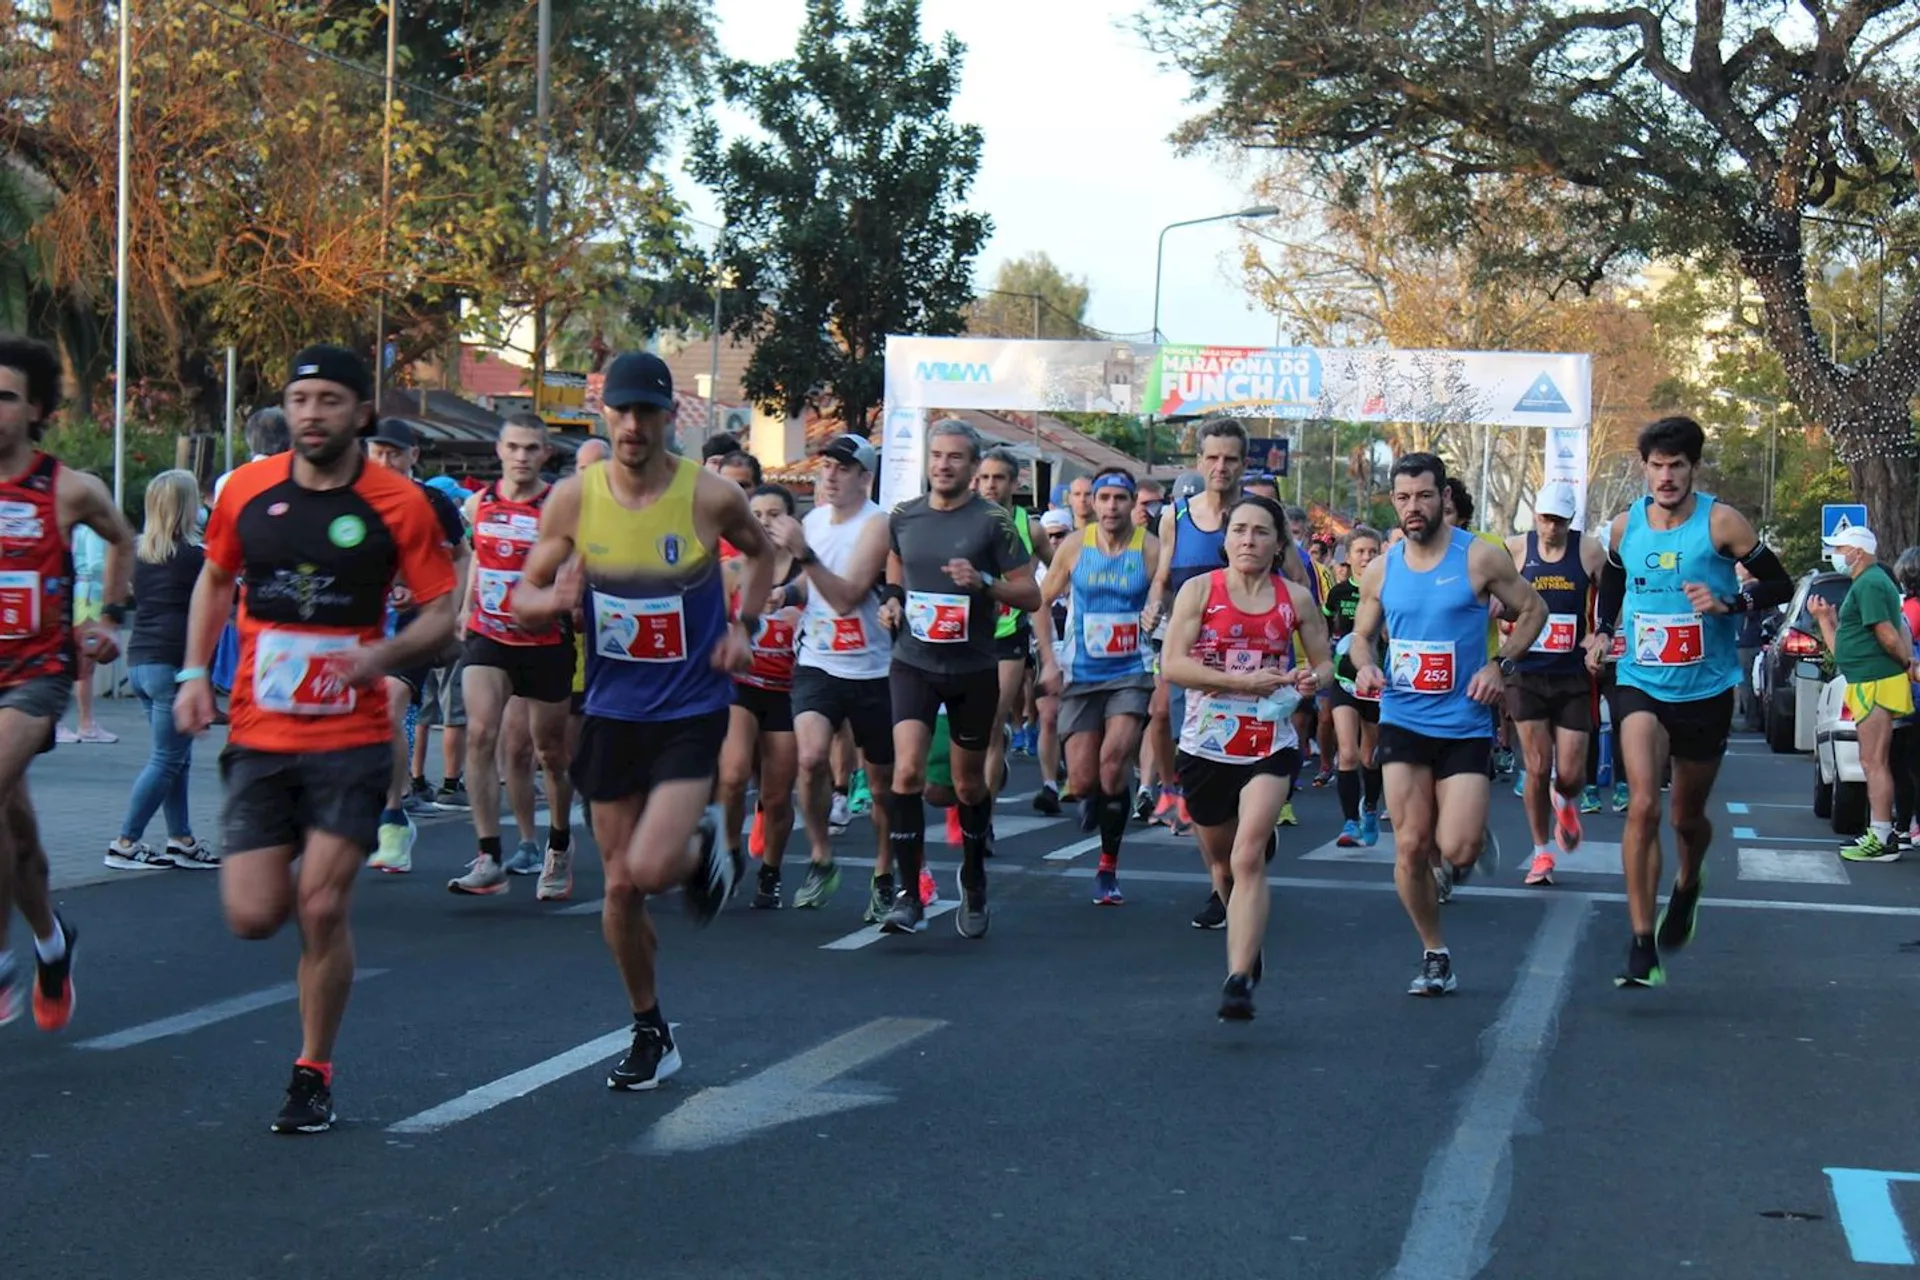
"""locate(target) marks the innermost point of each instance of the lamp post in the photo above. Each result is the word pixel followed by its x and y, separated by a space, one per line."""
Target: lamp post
pixel 1772 407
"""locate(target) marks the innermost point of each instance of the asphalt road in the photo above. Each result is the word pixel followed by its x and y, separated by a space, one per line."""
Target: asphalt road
pixel 1057 1100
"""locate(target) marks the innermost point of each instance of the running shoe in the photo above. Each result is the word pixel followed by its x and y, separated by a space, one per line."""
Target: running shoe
pixel 452 796
pixel 556 876
pixel 485 877
pixel 1681 916
pixel 1590 800
pixel 1870 848
pixel 1212 914
pixel 1520 783
pixel 1106 889
pixel 192 855
pixel 1503 761
pixel 757 835
pixel 394 854
pixel 929 887
pixel 53 984
pixel 1349 837
pixel 654 1057
pixel 132 855
pixel 1620 797
pixel 1369 827
pixel 309 1105
pixel 714 875
pixel 766 891
pixel 1286 818
pixel 1566 823
pixel 526 860
pixel 10 1006
pixel 838 818
pixel 822 879
pixel 906 915
pixel 1236 999
pixel 418 802
pixel 1643 966
pixel 972 918
pixel 1322 778
pixel 879 900
pixel 1443 877
pixel 1143 805
pixel 1047 800
pixel 1435 977
pixel 860 795
pixel 1165 810
pixel 1540 870
pixel 954 836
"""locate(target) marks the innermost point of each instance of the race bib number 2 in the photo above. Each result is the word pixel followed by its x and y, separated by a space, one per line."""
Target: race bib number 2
pixel 1420 666
pixel 639 630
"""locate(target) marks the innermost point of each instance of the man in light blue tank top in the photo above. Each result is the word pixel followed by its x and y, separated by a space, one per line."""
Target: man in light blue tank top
pixel 1430 592
pixel 1669 583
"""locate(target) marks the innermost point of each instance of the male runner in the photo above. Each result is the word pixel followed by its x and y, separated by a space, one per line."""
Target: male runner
pixel 1551 699
pixel 1356 721
pixel 1012 636
pixel 1431 592
pixel 320 536
pixel 633 542
pixel 840 676
pixel 761 730
pixel 1669 582
pixel 45 501
pixel 954 557
pixel 504 660
pixel 1080 501
pixel 1102 676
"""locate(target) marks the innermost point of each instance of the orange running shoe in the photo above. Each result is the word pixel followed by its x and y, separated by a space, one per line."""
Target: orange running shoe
pixel 757 838
pixel 954 837
pixel 53 985
pixel 929 891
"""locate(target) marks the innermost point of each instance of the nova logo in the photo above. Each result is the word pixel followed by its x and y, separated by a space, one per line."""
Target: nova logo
pixel 946 371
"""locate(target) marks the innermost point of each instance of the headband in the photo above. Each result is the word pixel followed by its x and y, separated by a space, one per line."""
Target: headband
pixel 1115 480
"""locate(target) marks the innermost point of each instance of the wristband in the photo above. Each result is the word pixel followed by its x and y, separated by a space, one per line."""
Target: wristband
pixel 1738 602
pixel 889 591
pixel 807 558
pixel 187 675
pixel 986 582
pixel 114 613
pixel 751 621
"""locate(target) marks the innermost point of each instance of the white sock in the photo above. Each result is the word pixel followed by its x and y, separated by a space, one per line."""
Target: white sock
pixel 51 949
pixel 1883 832
pixel 1440 951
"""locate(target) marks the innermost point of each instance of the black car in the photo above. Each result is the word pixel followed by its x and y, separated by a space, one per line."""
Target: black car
pixel 1795 638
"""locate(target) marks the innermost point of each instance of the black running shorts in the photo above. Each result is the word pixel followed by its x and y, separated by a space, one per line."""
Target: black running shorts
pixel 620 759
pixel 771 709
pixel 1213 788
pixel 537 672
pixel 864 704
pixel 1695 730
pixel 1564 701
pixel 1443 756
pixel 274 798
pixel 972 701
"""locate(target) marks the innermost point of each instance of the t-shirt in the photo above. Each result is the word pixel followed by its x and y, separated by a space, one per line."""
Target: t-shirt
pixel 1343 606
pixel 949 631
pixel 1872 599
pixel 315 566
pixel 161 595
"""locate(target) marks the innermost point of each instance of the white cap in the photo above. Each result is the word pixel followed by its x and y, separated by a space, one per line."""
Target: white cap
pixel 1855 535
pixel 1057 521
pixel 1555 499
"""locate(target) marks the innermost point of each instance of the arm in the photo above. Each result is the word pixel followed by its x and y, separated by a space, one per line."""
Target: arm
pixel 1313 638
pixel 425 562
pixel 845 593
pixel 1367 618
pixel 551 580
pixel 1042 544
pixel 1180 667
pixel 1734 537
pixel 727 508
pixel 85 501
pixel 1163 572
pixel 463 569
pixel 1613 582
pixel 1294 567
pixel 1495 574
pixel 1894 639
pixel 1059 581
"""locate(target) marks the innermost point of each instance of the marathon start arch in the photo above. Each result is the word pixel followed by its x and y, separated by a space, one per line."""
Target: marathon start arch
pixel 1350 384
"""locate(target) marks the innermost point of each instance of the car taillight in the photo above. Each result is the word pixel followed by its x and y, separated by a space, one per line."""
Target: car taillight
pixel 1846 712
pixel 1798 644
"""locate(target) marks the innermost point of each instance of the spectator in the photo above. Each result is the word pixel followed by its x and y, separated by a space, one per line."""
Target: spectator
pixel 1905 750
pixel 742 468
pixel 1749 641
pixel 89 553
pixel 267 434
pixel 714 453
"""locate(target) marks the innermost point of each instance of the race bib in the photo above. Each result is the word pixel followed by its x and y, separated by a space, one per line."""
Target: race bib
pixel 297 673
pixel 845 636
pixel 1420 666
pixel 495 585
pixel 1231 728
pixel 1111 635
pixel 934 618
pixel 1557 636
pixel 775 636
pixel 639 630
pixel 1668 639
pixel 19 605
pixel 1618 649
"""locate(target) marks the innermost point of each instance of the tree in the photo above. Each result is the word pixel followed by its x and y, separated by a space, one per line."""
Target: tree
pixel 1031 298
pixel 845 213
pixel 1691 130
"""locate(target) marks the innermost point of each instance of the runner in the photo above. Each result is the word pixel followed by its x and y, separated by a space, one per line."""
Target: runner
pixel 1101 677
pixel 1430 593
pixel 320 536
pixel 505 661
pixel 39 644
pixel 1669 582
pixel 1231 643
pixel 955 556
pixel 1356 721
pixel 1551 699
pixel 840 676
pixel 1057 525
pixel 633 542
pixel 999 470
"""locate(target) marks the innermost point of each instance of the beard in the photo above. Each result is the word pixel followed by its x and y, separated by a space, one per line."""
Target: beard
pixel 327 452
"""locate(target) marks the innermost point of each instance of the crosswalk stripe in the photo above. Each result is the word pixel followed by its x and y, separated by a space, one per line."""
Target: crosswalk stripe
pixel 205 1016
pixel 1793 866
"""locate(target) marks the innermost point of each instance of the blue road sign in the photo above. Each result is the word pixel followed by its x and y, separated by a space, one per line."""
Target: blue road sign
pixel 1835 516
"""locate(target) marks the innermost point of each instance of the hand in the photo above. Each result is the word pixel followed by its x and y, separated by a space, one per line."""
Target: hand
pixel 98 639
pixel 891 615
pixel 1702 599
pixel 1150 616
pixel 570 585
pixel 361 668
pixel 1048 686
pixel 1487 686
pixel 1369 682
pixel 776 601
pixel 732 652
pixel 964 575
pixel 1266 680
pixel 1596 644
pixel 1821 609
pixel 193 706
pixel 400 597
pixel 1306 682
pixel 789 535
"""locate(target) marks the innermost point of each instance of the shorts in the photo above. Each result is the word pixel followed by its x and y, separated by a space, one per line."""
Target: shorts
pixel 1893 694
pixel 972 700
pixel 536 672
pixel 1086 709
pixel 621 759
pixel 771 709
pixel 443 702
pixel 41 698
pixel 415 678
pixel 1696 730
pixel 1443 756
pixel 275 797
pixel 1565 701
pixel 1213 788
pixel 1017 647
pixel 940 756
pixel 864 704
pixel 1369 709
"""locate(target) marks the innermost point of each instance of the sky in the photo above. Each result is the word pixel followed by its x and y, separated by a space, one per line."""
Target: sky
pixel 1076 162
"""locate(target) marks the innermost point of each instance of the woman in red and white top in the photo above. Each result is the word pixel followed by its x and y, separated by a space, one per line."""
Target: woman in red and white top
pixel 1230 644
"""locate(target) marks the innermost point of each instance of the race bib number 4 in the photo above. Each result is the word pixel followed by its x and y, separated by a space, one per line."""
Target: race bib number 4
pixel 1557 636
pixel 1420 666
pixel 639 630
pixel 1111 635
pixel 934 618
pixel 1668 639
pixel 298 674
pixel 19 605
pixel 495 586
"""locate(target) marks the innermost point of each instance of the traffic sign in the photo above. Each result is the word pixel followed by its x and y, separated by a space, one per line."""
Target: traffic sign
pixel 1835 516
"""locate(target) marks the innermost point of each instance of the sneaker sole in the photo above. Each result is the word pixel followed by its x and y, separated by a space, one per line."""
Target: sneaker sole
pixel 1236 1012
pixel 443 806
pixel 293 1129
pixel 468 891
pixel 543 895
pixel 1657 978
pixel 117 863
pixel 668 1068
pixel 918 926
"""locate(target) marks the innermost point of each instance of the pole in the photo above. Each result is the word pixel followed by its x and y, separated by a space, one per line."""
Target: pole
pixel 233 365
pixel 386 205
pixel 1035 300
pixel 1299 465
pixel 713 366
pixel 542 95
pixel 1773 445
pixel 120 260
pixel 1486 468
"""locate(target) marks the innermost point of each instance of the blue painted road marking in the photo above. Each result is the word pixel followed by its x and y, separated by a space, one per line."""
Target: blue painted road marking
pixel 1745 833
pixel 1864 1198
pixel 1734 806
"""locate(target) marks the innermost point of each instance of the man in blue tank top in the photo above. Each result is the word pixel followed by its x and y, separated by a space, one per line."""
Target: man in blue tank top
pixel 1430 591
pixel 1669 582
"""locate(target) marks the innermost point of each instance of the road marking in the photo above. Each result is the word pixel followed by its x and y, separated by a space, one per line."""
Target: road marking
pixel 518 1085
pixel 582 908
pixel 1745 833
pixel 1592 858
pixel 1074 850
pixel 867 935
pixel 1799 840
pixel 205 1016
pixel 1734 806
pixel 1864 1198
pixel 784 1092
pixel 1793 866
pixel 1465 1193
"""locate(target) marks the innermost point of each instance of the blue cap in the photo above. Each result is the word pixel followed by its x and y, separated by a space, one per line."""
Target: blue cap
pixel 638 378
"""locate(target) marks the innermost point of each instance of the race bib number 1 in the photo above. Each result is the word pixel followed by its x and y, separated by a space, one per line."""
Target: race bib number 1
pixel 1420 666
pixel 639 630
pixel 1667 639
pixel 934 618
pixel 1231 728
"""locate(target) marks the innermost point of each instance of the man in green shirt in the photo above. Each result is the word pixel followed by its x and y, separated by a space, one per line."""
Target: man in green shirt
pixel 1869 640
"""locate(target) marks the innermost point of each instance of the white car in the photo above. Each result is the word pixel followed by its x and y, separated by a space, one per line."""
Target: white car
pixel 1839 784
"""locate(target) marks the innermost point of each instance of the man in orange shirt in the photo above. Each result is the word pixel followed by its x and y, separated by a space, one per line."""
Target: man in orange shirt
pixel 318 535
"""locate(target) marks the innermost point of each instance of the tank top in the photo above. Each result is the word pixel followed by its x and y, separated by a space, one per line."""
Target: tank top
pixel 1237 728
pixel 1672 652
pixel 772 644
pixel 1109 591
pixel 1437 631
pixel 851 646
pixel 503 534
pixel 656 604
pixel 1568 593
pixel 1195 550
pixel 1009 619
pixel 36 586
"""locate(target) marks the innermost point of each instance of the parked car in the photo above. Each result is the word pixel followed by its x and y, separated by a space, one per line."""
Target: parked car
pixel 1795 640
pixel 1839 784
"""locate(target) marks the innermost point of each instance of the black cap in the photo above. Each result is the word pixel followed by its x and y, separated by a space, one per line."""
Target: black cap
pixel 638 378
pixel 850 449
pixel 394 432
pixel 333 364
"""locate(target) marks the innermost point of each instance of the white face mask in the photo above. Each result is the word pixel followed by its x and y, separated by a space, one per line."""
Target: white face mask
pixel 1839 561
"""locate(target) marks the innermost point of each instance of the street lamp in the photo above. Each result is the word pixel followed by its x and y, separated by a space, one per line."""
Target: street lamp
pixel 1773 436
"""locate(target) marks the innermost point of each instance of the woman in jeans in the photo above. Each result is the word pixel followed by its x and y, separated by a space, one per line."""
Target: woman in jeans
pixel 166 564
pixel 1904 755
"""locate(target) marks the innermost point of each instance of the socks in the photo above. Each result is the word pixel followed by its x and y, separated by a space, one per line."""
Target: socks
pixel 976 820
pixel 1371 783
pixel 419 781
pixel 490 847
pixel 559 838
pixel 908 838
pixel 324 1068
pixel 393 817
pixel 651 1018
pixel 1112 814
pixel 1882 831
pixel 1348 784
pixel 51 949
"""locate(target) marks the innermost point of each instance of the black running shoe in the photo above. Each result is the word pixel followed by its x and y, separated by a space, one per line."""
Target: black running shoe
pixel 1259 967
pixel 907 915
pixel 653 1057
pixel 1236 999
pixel 972 918
pixel 1682 914
pixel 713 878
pixel 766 893
pixel 1643 966
pixel 309 1107
pixel 1211 916
pixel 1046 800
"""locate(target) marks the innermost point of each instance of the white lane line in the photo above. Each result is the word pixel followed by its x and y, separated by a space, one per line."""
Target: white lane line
pixel 1074 850
pixel 1468 1182
pixel 1793 866
pixel 582 908
pixel 205 1016
pixel 870 934
pixel 518 1085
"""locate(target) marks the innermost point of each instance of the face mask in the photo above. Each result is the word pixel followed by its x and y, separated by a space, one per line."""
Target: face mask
pixel 1839 561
